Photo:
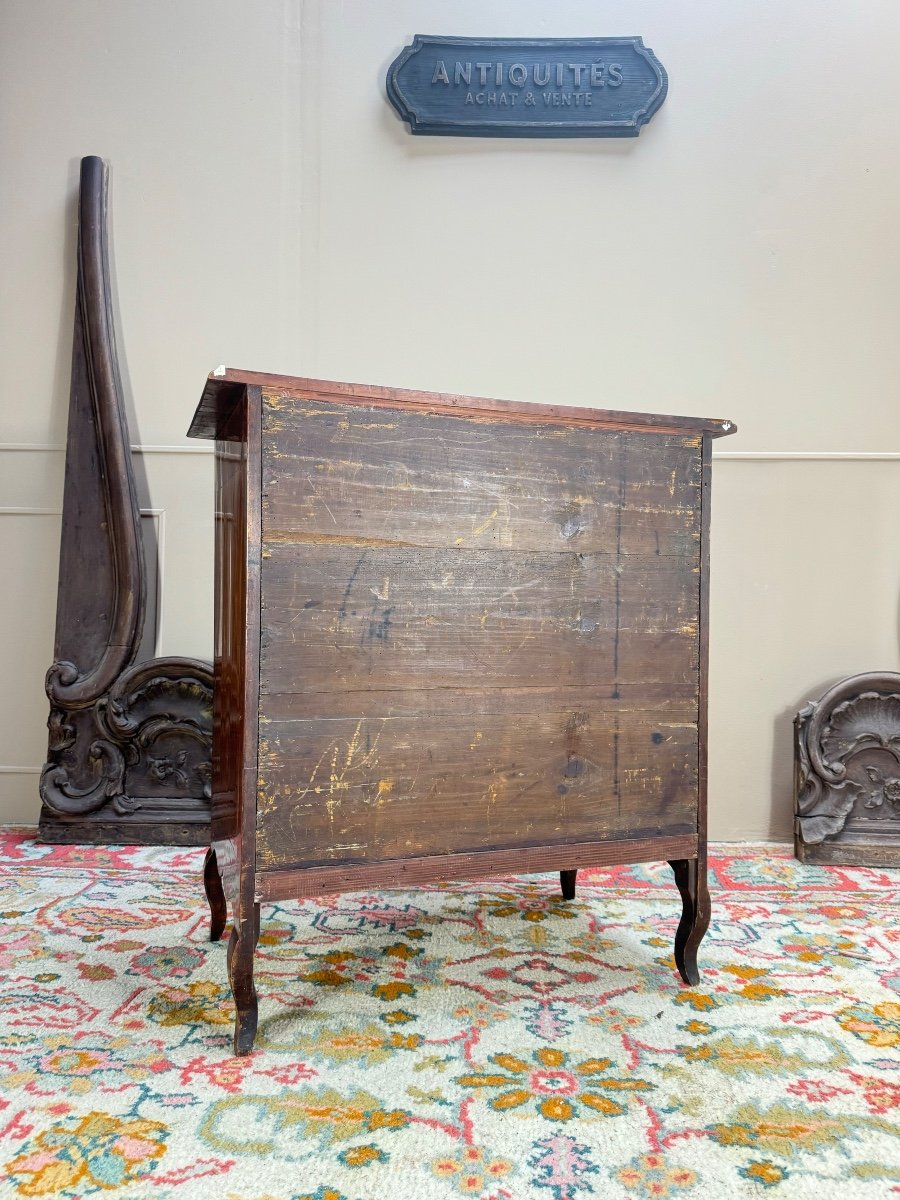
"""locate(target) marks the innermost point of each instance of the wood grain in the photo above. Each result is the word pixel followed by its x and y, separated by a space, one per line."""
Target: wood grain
pixel 338 473
pixel 671 703
pixel 348 789
pixel 416 618
pixel 318 881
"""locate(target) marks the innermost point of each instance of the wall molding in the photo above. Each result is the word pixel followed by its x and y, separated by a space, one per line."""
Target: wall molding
pixel 719 455
pixel 57 512
pixel 156 514
pixel 8 511
pixel 807 455
pixel 59 448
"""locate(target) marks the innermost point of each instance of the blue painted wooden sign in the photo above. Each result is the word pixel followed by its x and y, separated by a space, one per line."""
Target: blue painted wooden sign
pixel 527 87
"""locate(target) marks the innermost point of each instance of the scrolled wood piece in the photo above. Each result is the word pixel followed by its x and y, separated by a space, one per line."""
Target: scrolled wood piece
pixel 95 365
pixel 61 731
pixel 690 879
pixel 164 695
pixel 129 746
pixel 835 740
pixel 820 713
pixel 215 895
pixel 59 794
pixel 241 945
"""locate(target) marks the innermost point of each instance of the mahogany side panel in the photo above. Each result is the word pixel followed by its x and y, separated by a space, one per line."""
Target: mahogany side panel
pixel 236 666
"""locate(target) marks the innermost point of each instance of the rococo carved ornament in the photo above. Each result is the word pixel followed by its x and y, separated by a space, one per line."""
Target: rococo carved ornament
pixel 847 759
pixel 129 743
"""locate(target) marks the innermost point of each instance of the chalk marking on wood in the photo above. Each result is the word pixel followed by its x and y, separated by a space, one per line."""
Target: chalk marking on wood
pixel 319 498
pixel 476 532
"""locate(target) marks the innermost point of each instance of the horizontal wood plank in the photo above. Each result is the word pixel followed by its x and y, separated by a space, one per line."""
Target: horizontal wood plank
pixel 349 789
pixel 647 701
pixel 277 885
pixel 333 472
pixel 335 616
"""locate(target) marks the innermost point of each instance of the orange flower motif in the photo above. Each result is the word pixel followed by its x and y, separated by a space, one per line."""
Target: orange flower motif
pixel 697 1000
pixel 362 1156
pixel 533 903
pixel 745 973
pixel 480 1014
pixel 395 1119
pixel 616 1021
pixel 560 1090
pixel 398 1016
pixel 765 1173
pixel 879 1025
pixel 401 950
pixel 471 1169
pixel 99 1151
pixel 698 1027
pixel 841 912
pixel 198 1003
pixel 649 1176
pixel 392 991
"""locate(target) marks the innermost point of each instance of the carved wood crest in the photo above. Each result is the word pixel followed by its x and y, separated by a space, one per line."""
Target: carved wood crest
pixel 129 745
pixel 847 763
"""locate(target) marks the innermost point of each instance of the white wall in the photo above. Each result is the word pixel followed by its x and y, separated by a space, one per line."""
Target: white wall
pixel 739 260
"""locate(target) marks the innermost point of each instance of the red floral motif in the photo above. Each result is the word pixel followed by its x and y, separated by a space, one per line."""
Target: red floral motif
pixel 817 1091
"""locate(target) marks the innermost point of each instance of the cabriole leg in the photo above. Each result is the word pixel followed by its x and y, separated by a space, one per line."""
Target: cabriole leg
pixel 215 894
pixel 240 974
pixel 567 883
pixel 690 877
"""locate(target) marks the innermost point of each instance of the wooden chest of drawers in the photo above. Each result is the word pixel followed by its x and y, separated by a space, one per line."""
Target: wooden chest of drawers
pixel 454 637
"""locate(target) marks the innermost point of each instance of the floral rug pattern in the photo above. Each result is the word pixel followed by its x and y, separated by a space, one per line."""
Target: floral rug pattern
pixel 484 1040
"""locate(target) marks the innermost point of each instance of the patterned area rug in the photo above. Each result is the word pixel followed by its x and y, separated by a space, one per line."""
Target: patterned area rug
pixel 477 1040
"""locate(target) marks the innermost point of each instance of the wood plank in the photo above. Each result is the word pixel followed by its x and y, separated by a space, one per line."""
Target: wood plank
pixel 339 616
pixel 336 473
pixel 219 396
pixel 350 789
pixel 652 701
pixel 277 885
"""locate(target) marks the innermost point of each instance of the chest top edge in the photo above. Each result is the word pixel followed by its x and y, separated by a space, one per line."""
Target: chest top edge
pixel 224 390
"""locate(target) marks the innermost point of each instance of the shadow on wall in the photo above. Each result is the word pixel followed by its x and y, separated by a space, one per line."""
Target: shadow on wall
pixel 781 816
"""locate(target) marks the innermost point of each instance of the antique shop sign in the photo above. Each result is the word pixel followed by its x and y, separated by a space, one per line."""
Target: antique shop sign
pixel 527 87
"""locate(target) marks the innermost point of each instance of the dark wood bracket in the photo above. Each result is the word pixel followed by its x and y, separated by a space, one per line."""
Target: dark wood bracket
pixel 129 746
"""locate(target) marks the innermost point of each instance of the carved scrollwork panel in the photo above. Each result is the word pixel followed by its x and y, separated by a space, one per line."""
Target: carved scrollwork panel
pixel 63 797
pixel 847 769
pixel 129 744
